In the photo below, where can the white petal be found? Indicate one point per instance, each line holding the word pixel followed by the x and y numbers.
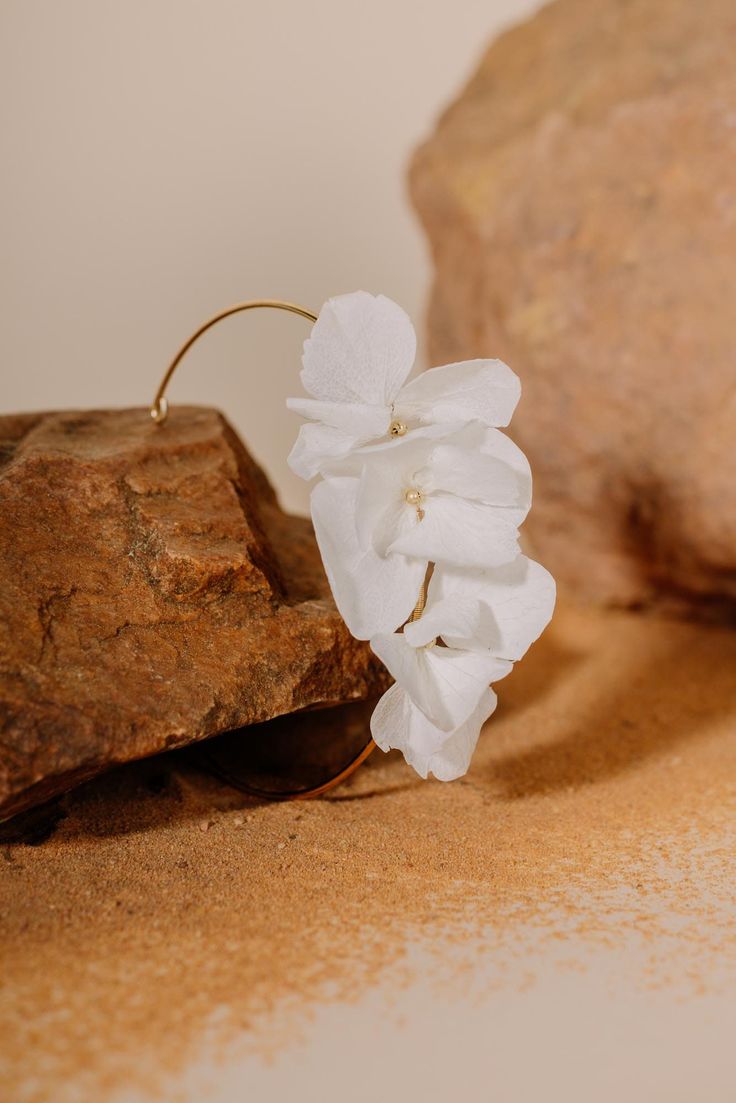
pixel 444 683
pixel 516 603
pixel 458 616
pixel 361 349
pixel 317 445
pixel 398 464
pixel 397 723
pixel 468 534
pixel 452 759
pixel 483 390
pixel 495 443
pixel 380 505
pixel 409 453
pixel 373 594
pixel 407 665
pixel 380 531
pixel 390 719
pixel 482 477
pixel 356 418
pixel 385 476
pixel 463 678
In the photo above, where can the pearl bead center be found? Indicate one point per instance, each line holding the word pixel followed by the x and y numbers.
pixel 413 496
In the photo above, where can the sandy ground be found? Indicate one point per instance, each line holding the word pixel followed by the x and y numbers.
pixel 561 924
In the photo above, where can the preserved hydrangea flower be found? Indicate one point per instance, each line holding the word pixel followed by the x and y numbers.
pixel 457 498
pixel 474 625
pixel 418 479
pixel 355 365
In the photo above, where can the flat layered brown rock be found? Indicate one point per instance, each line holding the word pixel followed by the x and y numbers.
pixel 580 199
pixel 152 593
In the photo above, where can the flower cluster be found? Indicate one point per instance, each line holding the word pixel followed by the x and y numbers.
pixel 417 516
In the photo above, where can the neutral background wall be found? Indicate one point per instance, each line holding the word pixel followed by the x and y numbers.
pixel 164 158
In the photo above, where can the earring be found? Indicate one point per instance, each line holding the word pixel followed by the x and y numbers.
pixel 416 512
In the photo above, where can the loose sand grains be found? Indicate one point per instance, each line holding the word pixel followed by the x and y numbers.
pixel 165 907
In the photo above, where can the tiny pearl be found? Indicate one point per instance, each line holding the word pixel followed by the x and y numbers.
pixel 397 428
pixel 413 496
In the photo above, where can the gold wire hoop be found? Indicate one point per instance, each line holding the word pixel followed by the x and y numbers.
pixel 159 412
pixel 293 794
pixel 160 406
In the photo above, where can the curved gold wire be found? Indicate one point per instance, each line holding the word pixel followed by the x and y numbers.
pixel 160 406
pixel 159 412
pixel 292 794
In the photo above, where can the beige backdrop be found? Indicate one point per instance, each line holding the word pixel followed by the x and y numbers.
pixel 162 159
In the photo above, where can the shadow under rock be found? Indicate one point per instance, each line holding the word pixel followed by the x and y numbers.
pixel 182 785
pixel 133 798
pixel 687 681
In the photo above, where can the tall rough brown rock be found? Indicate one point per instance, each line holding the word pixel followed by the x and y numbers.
pixel 580 201
pixel 152 593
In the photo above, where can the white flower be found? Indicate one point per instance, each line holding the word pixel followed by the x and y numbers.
pixel 355 365
pixel 445 683
pixel 486 619
pixel 513 604
pixel 398 724
pixel 436 708
pixel 417 475
pixel 373 593
pixel 387 512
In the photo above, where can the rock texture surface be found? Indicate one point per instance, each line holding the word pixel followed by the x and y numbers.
pixel 580 200
pixel 152 593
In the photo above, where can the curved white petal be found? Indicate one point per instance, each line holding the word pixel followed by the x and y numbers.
pixel 452 759
pixel 402 455
pixel 389 720
pixel 317 445
pixel 361 421
pixel 385 476
pixel 482 477
pixel 515 602
pixel 379 505
pixel 398 724
pixel 399 444
pixel 497 444
pixel 379 530
pixel 465 533
pixel 459 616
pixel 373 594
pixel 483 390
pixel 361 349
pixel 397 465
pixel 463 678
pixel 444 683
pixel 407 665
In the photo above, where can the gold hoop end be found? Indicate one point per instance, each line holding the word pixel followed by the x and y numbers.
pixel 160 407
pixel 160 410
